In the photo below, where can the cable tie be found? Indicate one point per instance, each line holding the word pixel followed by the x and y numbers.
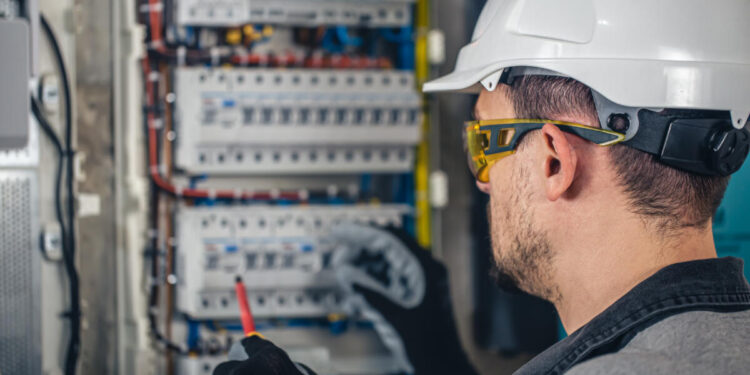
pixel 153 76
pixel 332 191
pixel 156 7
pixel 156 44
pixel 237 193
pixel 178 190
pixel 148 8
pixel 214 56
pixel 304 194
pixel 275 193
pixel 181 54
pixel 211 193
pixel 157 124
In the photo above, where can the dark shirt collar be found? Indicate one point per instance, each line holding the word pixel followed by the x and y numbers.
pixel 710 284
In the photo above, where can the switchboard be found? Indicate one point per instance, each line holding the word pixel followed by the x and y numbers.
pixel 255 111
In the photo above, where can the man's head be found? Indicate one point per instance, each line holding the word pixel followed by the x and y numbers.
pixel 557 181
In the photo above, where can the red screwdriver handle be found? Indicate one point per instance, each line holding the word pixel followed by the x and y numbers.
pixel 245 314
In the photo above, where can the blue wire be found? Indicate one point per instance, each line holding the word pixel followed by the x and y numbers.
pixel 329 44
pixel 404 36
pixel 405 47
pixel 193 333
pixel 365 184
pixel 345 39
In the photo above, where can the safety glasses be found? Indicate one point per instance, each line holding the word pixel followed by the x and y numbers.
pixel 488 141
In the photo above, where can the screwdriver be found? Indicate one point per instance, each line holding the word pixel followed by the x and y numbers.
pixel 248 325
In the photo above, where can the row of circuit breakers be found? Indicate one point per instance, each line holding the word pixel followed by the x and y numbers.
pixel 296 121
pixel 375 13
pixel 283 254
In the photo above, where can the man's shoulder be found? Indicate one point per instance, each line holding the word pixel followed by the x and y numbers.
pixel 694 342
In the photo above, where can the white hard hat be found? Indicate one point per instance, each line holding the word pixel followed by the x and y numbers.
pixel 633 54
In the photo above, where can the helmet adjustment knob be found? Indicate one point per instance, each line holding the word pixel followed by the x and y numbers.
pixel 619 122
pixel 729 148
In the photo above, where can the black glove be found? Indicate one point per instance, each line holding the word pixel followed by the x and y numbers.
pixel 415 302
pixel 257 356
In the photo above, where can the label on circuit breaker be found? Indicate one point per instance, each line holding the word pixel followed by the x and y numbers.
pixel 374 13
pixel 273 121
pixel 282 253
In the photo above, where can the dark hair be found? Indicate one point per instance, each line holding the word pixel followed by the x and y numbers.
pixel 672 198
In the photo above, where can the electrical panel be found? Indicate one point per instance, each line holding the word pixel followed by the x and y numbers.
pixel 14 75
pixel 282 253
pixel 267 122
pixel 380 13
pixel 296 121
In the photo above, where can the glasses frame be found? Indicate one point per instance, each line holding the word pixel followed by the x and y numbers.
pixel 488 155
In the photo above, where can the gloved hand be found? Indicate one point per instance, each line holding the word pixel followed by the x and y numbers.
pixel 404 284
pixel 256 356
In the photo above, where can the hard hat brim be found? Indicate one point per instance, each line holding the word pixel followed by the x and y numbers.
pixel 463 82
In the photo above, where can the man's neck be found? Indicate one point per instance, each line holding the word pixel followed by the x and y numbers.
pixel 594 271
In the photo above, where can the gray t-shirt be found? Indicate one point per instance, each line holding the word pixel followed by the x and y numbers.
pixel 694 342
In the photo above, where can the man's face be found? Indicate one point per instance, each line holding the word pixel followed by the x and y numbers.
pixel 519 247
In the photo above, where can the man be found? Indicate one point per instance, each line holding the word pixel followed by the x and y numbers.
pixel 605 135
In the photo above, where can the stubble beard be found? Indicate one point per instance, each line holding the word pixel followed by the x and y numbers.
pixel 522 254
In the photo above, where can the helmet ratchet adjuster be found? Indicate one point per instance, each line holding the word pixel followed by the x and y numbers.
pixel 697 141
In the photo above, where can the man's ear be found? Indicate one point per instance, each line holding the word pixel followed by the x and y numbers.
pixel 559 161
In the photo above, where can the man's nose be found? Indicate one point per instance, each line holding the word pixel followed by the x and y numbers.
pixel 483 186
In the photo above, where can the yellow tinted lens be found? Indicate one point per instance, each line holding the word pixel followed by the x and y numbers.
pixel 476 142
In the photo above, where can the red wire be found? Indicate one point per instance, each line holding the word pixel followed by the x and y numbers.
pixel 154 16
